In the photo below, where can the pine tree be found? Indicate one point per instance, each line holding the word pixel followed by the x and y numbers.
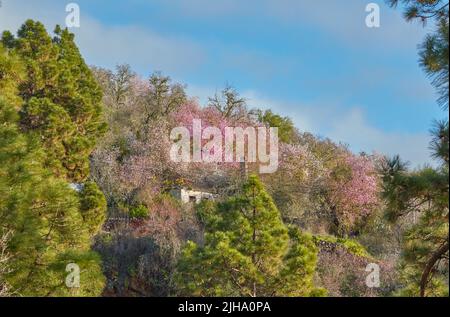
pixel 286 129
pixel 424 193
pixel 434 57
pixel 248 251
pixel 51 224
pixel 62 100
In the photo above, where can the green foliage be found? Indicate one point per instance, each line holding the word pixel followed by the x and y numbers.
pixel 139 212
pixel 411 277
pixel 205 212
pixel 51 224
pixel 422 194
pixel 92 280
pixel 12 71
pixel 440 142
pixel 92 206
pixel 286 128
pixel 248 251
pixel 422 10
pixel 42 211
pixel 351 245
pixel 164 98
pixel 434 57
pixel 62 101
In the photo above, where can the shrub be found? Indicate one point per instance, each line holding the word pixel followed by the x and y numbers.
pixel 139 212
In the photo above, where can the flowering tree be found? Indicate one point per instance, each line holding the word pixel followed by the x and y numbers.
pixel 201 173
pixel 300 175
pixel 353 192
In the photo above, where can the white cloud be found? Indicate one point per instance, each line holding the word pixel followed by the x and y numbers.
pixel 142 48
pixel 349 126
pixel 345 21
pixel 108 46
pixel 342 20
pixel 353 128
pixel 207 8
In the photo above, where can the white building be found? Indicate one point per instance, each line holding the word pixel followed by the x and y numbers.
pixel 191 196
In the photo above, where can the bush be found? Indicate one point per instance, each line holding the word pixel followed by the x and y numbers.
pixel 352 246
pixel 139 212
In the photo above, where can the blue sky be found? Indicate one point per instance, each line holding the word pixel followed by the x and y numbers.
pixel 315 61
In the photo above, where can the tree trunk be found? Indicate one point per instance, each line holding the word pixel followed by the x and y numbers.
pixel 430 264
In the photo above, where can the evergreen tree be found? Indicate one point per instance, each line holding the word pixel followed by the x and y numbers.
pixel 286 128
pixel 51 223
pixel 434 57
pixel 424 193
pixel 248 251
pixel 62 101
pixel 423 10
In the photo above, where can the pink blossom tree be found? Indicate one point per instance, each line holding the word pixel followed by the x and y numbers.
pixel 353 192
